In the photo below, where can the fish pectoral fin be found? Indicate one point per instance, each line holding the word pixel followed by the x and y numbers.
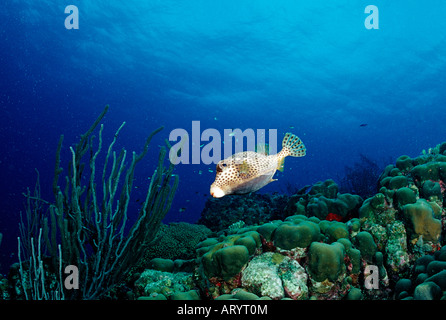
pixel 281 164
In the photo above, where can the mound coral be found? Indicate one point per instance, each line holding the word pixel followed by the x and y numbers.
pixel 407 216
pixel 282 259
pixel 324 200
pixel 427 282
pixel 326 261
pixel 296 233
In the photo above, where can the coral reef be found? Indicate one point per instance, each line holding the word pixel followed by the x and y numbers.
pixel 317 244
pixel 323 201
pixel 176 241
pixel 282 259
pixel 406 217
pixel 336 241
pixel 219 214
pixel 427 280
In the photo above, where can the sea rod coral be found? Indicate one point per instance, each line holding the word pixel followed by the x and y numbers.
pixel 89 218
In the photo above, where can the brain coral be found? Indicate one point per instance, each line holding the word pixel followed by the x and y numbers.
pixel 177 241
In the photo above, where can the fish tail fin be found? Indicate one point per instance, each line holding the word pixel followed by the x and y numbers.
pixel 292 146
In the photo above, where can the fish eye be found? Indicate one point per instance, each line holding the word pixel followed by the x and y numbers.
pixel 220 166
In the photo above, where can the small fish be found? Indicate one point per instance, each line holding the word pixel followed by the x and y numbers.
pixel 363 125
pixel 333 217
pixel 182 209
pixel 200 172
pixel 249 171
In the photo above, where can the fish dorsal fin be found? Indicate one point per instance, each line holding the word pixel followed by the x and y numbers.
pixel 281 164
pixel 262 148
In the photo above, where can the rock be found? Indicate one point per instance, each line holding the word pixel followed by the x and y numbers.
pixel 274 275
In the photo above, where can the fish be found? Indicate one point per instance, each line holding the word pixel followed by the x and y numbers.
pixel 249 171
pixel 363 125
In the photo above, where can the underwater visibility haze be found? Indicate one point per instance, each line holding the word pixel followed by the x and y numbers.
pixel 364 89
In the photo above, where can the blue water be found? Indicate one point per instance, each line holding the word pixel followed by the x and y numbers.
pixel 309 67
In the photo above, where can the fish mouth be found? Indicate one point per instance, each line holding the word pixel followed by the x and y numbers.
pixel 217 192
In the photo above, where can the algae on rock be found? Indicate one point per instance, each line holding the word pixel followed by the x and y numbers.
pixel 276 276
